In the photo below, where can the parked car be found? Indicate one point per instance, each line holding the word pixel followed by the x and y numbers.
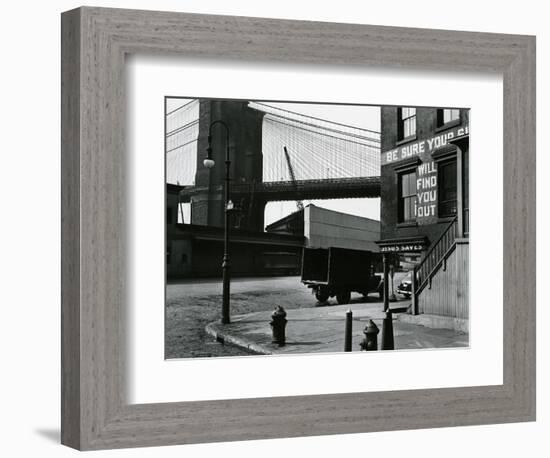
pixel 405 287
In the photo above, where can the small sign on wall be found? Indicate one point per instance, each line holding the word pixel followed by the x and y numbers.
pixel 402 248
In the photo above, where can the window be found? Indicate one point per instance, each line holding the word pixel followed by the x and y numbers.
pixel 446 172
pixel 407 197
pixel 447 115
pixel 406 123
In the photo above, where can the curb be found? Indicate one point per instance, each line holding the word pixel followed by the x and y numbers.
pixel 212 329
pixel 436 322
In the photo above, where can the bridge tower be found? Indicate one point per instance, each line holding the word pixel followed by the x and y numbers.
pixel 245 151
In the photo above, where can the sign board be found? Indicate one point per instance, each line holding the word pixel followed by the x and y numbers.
pixel 402 247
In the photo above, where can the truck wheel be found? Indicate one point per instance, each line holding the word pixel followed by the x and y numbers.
pixel 343 297
pixel 321 295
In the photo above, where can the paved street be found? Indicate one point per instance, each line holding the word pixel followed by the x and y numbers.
pixel 192 304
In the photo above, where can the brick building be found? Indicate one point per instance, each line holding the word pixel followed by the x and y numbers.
pixel 425 203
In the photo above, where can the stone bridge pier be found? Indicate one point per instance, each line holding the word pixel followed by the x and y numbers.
pixel 245 152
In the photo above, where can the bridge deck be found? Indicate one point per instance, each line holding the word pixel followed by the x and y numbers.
pixel 332 188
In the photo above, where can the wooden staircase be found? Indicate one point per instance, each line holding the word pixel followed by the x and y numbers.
pixel 435 259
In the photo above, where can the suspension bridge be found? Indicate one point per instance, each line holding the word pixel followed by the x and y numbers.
pixel 277 154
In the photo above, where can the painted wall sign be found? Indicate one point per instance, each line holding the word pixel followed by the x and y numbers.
pixel 426 192
pixel 422 146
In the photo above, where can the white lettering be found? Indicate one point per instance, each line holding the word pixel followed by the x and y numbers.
pixel 426 186
pixel 422 146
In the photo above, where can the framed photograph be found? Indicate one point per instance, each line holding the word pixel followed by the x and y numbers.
pixel 250 206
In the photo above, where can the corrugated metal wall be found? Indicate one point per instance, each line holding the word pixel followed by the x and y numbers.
pixel 449 292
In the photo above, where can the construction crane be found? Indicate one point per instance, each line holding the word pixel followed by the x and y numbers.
pixel 299 203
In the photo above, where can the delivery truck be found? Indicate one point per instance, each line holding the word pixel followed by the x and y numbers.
pixel 338 272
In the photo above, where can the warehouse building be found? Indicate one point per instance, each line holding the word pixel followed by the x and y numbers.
pixel 195 251
pixel 324 228
pixel 425 204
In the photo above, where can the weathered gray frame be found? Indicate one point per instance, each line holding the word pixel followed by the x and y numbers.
pixel 95 414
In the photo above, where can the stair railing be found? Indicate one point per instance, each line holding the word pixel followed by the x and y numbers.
pixel 436 255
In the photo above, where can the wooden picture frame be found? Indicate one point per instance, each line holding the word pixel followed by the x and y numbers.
pixel 95 413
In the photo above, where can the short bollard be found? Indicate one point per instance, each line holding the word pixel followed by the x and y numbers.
pixel 370 342
pixel 348 330
pixel 278 325
pixel 387 332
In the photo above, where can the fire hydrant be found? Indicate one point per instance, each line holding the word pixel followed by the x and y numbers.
pixel 370 342
pixel 278 325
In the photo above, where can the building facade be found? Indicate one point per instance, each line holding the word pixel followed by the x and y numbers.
pixel 425 202
pixel 196 251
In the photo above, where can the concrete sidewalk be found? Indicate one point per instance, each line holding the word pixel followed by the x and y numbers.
pixel 321 330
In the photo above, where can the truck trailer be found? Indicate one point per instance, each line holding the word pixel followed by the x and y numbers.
pixel 338 272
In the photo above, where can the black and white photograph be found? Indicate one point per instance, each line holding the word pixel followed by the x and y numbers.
pixel 297 227
pixel 254 229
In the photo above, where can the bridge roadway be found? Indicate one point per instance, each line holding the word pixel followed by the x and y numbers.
pixel 330 188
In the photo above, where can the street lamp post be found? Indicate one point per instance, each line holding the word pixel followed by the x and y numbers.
pixel 228 206
pixel 393 297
